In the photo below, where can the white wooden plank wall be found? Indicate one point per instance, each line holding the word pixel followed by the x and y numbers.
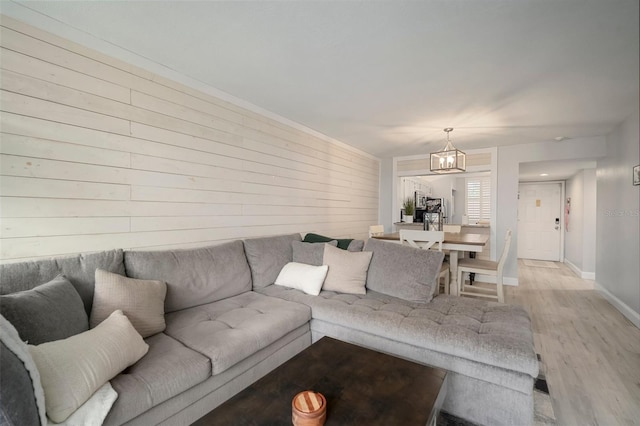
pixel 98 154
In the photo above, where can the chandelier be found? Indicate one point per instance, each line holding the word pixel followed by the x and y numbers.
pixel 449 159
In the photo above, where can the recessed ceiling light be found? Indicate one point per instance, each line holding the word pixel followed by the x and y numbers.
pixel 544 174
pixel 561 138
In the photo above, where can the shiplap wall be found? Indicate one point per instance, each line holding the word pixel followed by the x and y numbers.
pixel 98 154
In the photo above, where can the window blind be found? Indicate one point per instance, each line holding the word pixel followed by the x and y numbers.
pixel 478 199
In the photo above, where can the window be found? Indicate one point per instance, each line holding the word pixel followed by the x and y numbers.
pixel 479 199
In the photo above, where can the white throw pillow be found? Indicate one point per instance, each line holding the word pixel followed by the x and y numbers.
pixel 72 369
pixel 301 276
pixel 142 301
pixel 347 270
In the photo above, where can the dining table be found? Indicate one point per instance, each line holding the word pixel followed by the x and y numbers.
pixel 455 243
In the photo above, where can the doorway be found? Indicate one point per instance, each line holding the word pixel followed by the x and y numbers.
pixel 540 221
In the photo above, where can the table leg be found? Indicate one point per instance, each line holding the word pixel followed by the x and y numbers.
pixel 453 268
pixel 472 275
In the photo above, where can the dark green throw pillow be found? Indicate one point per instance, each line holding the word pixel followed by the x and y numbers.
pixel 315 238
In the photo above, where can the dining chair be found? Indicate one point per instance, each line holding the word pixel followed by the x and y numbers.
pixel 426 240
pixel 485 267
pixel 376 230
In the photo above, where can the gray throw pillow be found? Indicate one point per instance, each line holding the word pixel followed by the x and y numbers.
pixel 267 256
pixel 310 253
pixel 401 271
pixel 48 312
pixel 356 245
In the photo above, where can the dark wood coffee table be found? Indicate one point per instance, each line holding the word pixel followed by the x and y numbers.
pixel 362 387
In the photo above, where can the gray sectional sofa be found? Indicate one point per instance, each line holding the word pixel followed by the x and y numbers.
pixel 227 325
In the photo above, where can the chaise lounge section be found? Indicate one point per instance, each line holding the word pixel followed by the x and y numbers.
pixel 487 347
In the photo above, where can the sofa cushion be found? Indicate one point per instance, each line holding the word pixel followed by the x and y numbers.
pixel 71 370
pixel 79 270
pixel 21 394
pixel 142 301
pixel 347 271
pixel 51 311
pixel 401 271
pixel 196 276
pixel 168 369
pixel 267 256
pixel 230 330
pixel 486 332
pixel 18 404
pixel 356 245
pixel 310 253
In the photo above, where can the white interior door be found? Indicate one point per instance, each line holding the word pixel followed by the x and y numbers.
pixel 539 221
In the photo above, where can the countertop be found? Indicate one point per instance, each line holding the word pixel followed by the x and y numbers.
pixel 479 225
pixel 449 238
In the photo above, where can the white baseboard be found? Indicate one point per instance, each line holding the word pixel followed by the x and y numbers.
pixel 624 309
pixel 579 272
pixel 491 279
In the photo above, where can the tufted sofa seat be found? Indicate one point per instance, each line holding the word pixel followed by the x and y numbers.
pixel 468 331
pixel 168 369
pixel 229 330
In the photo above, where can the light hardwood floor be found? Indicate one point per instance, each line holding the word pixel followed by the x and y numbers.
pixel 591 352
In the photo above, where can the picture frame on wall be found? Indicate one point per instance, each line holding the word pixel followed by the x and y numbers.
pixel 636 175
